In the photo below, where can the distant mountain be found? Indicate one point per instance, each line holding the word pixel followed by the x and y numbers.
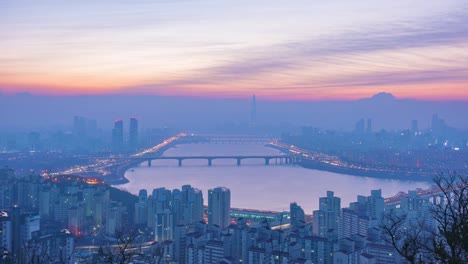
pixel 383 96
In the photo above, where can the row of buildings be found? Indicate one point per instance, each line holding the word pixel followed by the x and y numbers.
pixel 43 216
pixel 164 209
pixel 335 235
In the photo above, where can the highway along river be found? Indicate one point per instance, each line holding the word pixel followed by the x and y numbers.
pixel 253 184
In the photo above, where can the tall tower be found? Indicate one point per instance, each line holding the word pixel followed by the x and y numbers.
pixel 117 135
pixel 133 140
pixel 253 111
pixel 219 206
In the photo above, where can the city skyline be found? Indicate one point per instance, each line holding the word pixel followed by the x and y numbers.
pixel 279 51
pixel 233 131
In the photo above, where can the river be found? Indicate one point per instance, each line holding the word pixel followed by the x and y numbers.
pixel 254 185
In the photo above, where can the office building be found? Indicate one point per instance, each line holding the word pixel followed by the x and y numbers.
pixel 133 134
pixel 117 136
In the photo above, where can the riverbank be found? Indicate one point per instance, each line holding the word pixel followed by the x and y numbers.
pixel 307 160
pixel 381 174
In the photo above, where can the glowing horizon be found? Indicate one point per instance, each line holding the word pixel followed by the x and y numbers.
pixel 278 50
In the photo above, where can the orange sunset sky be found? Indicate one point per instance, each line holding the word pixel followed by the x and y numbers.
pixel 282 50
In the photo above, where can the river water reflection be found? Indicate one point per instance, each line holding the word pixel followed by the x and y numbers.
pixel 254 185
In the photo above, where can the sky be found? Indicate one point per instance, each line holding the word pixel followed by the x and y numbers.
pixel 279 50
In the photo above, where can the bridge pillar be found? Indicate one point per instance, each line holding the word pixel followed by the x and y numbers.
pixel 267 161
pixel 238 162
pixel 180 162
pixel 210 161
pixel 149 163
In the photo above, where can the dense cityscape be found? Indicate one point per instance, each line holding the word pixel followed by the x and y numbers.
pixel 234 132
pixel 72 219
pixel 68 213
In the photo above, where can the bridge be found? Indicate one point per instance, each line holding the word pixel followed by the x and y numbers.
pixel 229 139
pixel 284 159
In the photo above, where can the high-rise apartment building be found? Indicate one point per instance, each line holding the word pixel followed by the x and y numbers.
pixel 6 231
pixel 297 215
pixel 326 218
pixel 160 216
pixel 187 205
pixel 141 208
pixel 219 205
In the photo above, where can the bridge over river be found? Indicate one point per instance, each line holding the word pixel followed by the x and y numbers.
pixel 283 159
pixel 229 139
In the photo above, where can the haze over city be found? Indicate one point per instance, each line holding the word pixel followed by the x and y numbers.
pixel 233 131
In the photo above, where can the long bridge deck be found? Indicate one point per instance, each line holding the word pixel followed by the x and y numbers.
pixel 286 159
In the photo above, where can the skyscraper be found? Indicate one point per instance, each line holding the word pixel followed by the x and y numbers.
pixel 117 135
pixel 219 205
pixel 79 126
pixel 359 128
pixel 414 126
pixel 253 111
pixel 133 140
pixel 438 125
pixel 369 125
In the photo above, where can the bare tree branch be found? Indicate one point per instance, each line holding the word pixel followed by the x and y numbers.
pixel 447 242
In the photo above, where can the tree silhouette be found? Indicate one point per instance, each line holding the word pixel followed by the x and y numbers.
pixel 120 249
pixel 447 240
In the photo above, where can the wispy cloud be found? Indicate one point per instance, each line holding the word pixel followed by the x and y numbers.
pixel 217 48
